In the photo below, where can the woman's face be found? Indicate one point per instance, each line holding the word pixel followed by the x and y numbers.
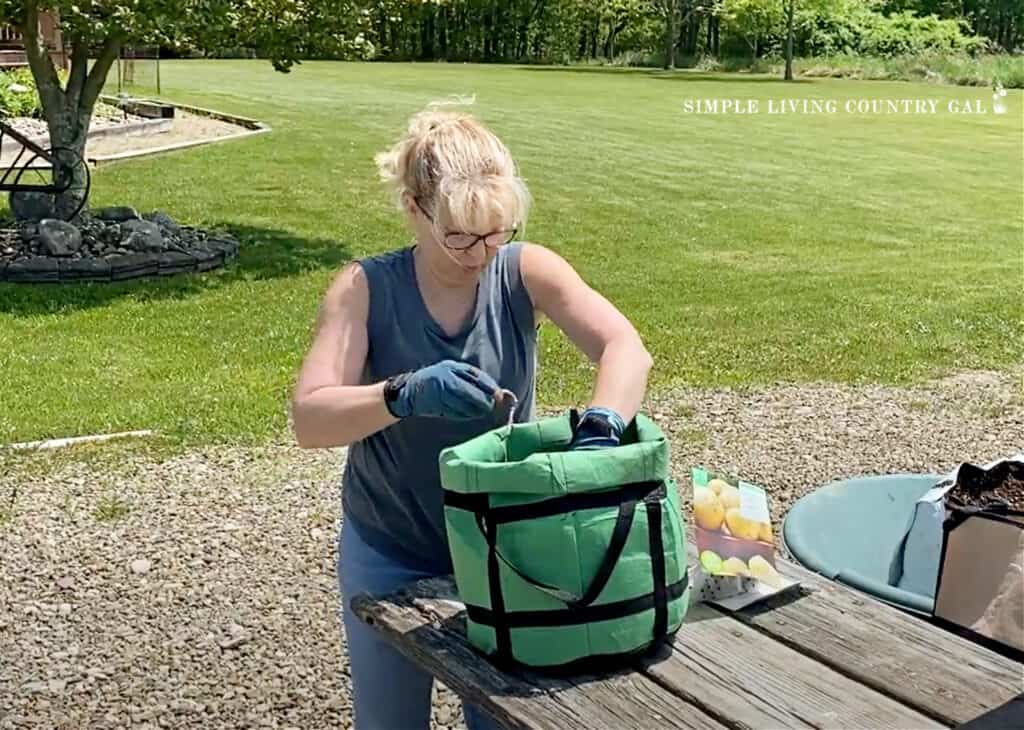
pixel 465 254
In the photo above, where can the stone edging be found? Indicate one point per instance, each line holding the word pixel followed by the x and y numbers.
pixel 253 127
pixel 54 270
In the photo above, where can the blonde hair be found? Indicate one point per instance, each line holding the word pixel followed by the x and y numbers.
pixel 452 164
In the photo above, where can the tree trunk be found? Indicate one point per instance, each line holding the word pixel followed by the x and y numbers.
pixel 614 35
pixel 68 111
pixel 715 40
pixel 68 145
pixel 427 42
pixel 442 32
pixel 671 32
pixel 789 41
pixel 382 29
pixel 693 29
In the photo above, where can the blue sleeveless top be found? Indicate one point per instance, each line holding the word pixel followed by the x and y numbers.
pixel 391 487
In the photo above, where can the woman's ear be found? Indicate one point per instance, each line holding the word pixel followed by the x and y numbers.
pixel 408 204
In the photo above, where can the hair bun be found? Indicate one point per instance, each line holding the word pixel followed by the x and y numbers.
pixel 450 161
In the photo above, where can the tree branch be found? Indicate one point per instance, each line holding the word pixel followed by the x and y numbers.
pixel 98 74
pixel 47 83
pixel 79 65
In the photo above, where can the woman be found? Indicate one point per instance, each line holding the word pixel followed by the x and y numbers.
pixel 409 354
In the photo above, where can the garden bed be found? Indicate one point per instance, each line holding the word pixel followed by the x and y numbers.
pixel 109 244
pixel 117 135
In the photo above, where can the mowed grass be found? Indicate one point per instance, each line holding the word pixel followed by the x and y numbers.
pixel 746 248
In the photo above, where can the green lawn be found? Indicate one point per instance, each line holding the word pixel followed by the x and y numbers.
pixel 745 248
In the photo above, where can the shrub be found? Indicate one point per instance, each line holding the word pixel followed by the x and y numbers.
pixel 18 97
pixel 845 27
pixel 951 68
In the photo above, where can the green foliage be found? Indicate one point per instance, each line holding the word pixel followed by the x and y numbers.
pixel 283 31
pixel 754 20
pixel 18 97
pixel 633 32
pixel 964 70
pixel 847 26
pixel 18 94
pixel 111 507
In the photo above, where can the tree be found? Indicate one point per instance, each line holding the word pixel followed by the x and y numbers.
pixel 283 31
pixel 668 11
pixel 789 40
pixel 753 20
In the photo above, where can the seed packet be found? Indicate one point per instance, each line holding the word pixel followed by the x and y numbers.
pixel 733 528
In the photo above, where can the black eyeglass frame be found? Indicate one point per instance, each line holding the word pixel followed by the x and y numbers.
pixel 476 239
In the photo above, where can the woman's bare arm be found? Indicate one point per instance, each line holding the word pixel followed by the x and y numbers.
pixel 594 325
pixel 329 406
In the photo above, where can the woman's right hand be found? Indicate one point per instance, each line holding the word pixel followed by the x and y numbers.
pixel 447 389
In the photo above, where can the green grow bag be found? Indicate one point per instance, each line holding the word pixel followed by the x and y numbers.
pixel 565 559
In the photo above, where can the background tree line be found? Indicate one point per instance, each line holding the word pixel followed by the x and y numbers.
pixel 659 32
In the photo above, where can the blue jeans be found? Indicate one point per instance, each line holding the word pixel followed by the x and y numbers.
pixel 389 691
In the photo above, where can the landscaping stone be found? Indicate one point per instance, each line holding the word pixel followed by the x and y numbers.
pixel 94 248
pixel 117 214
pixel 141 235
pixel 58 237
pixel 29 206
pixel 33 268
pixel 163 220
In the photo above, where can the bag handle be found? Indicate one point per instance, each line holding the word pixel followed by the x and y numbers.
pixel 623 524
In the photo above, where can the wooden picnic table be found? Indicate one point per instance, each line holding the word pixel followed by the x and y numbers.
pixel 823 656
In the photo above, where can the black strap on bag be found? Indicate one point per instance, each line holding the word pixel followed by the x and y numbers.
pixel 626 497
pixel 501 628
pixel 658 571
pixel 623 524
pixel 579 608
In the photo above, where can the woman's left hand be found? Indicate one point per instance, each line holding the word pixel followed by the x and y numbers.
pixel 598 428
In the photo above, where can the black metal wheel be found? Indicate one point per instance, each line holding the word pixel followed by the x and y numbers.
pixel 69 175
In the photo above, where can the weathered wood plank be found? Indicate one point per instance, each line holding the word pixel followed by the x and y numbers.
pixel 749 680
pixel 931 670
pixel 427 623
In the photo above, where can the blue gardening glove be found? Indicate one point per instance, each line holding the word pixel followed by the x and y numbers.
pixel 598 428
pixel 447 389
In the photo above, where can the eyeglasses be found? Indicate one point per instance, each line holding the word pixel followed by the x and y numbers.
pixel 458 241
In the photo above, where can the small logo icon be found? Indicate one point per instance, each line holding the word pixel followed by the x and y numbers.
pixel 999 98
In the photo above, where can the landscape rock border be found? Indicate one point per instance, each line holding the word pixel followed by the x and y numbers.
pixel 49 254
pixel 106 245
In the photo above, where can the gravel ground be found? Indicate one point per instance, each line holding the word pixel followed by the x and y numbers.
pixel 198 590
